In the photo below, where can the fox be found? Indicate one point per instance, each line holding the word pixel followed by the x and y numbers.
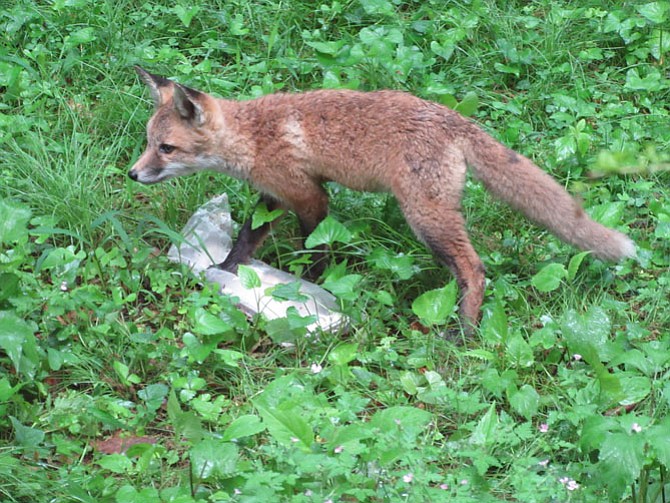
pixel 287 145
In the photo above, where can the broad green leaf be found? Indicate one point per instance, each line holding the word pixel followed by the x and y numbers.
pixel 329 231
pixel 565 147
pixel 495 326
pixel 13 222
pixel 213 458
pixel 153 395
pixel 622 457
pixel 7 390
pixel 574 264
pixel 595 431
pixel 609 214
pixel 62 257
pixel 288 291
pixel 121 370
pixel 486 429
pixel 491 381
pixel 290 328
pixel 281 331
pixel 18 341
pixel 377 6
pixel 331 47
pixel 512 69
pixel 261 215
pixel 656 12
pixel 634 387
pixel 658 437
pixel 343 354
pixel 443 50
pixel 195 349
pixel 80 37
pixel 206 323
pixel 481 354
pixel 230 357
pixel 343 287
pixel 284 389
pixel 55 359
pixel 401 265
pixel 410 382
pixel 434 307
pixel 611 388
pixel 350 438
pixel 186 14
pixel 184 423
pixel 248 277
pixel 525 401
pixel 128 494
pixel 468 105
pixel 448 100
pixel 549 277
pixel 287 427
pixel 644 362
pixel 116 463
pixel 588 334
pixel 9 285
pixel 237 25
pixel 243 426
pixel 519 351
pixel 410 420
pixel 651 82
pixel 26 436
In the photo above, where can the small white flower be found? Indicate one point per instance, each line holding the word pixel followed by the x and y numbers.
pixel 564 480
pixel 237 492
pixel 316 368
pixel 338 449
pixel 636 428
pixel 295 440
pixel 64 286
pixel 444 487
pixel 408 478
pixel 544 428
pixel 464 482
pixel 572 485
pixel 576 357
pixel 544 463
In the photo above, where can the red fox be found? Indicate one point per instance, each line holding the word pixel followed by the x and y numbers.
pixel 288 145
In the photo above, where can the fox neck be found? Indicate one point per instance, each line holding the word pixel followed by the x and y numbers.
pixel 229 151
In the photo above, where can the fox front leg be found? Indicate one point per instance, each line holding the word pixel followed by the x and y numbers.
pixel 249 239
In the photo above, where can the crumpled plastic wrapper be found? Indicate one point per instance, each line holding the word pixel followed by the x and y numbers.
pixel 207 241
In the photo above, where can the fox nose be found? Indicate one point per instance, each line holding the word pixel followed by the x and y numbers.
pixel 132 175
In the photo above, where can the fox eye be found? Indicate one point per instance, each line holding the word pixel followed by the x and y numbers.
pixel 164 148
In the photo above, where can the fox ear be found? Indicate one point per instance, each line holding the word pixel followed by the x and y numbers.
pixel 155 84
pixel 187 103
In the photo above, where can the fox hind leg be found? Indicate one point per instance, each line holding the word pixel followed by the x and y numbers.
pixel 444 232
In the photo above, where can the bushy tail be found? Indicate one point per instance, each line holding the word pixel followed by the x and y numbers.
pixel 517 181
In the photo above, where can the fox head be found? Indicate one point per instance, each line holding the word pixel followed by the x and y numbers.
pixel 179 134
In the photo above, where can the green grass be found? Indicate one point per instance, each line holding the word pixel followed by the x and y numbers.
pixel 560 395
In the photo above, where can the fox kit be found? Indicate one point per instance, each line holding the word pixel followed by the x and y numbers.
pixel 288 145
